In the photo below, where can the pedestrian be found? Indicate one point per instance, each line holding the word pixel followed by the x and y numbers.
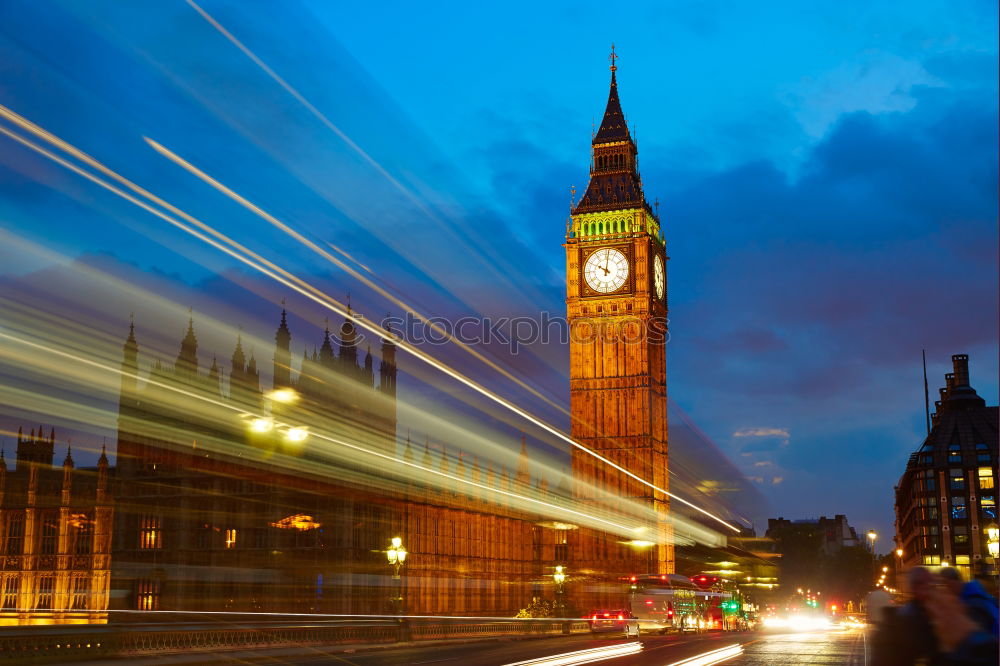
pixel 962 641
pixel 904 635
pixel 981 607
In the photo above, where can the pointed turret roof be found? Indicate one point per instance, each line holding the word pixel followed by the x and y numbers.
pixel 613 126
pixel 239 360
pixel 615 183
pixel 523 470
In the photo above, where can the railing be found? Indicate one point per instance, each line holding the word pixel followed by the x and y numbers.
pixel 54 644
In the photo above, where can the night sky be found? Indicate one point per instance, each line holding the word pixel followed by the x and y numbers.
pixel 826 172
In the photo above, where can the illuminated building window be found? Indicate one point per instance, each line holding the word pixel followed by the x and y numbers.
pixel 46 590
pixel 50 533
pixel 147 595
pixel 960 535
pixel 81 587
pixel 11 588
pixel 230 538
pixel 954 454
pixel 150 532
pixel 83 538
pixel 957 479
pixel 988 505
pixel 985 478
pixel 983 454
pixel 14 543
pixel 958 508
pixel 961 559
pixel 932 560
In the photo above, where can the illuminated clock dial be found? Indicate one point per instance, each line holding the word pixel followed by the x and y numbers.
pixel 659 277
pixel 606 270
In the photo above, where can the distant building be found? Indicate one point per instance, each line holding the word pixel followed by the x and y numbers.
pixel 55 537
pixel 947 495
pixel 831 534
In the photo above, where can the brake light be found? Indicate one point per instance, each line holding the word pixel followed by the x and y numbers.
pixel 670 613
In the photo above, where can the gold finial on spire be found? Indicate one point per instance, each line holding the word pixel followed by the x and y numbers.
pixel 613 57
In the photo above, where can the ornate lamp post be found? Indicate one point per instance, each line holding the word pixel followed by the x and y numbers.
pixel 559 577
pixel 396 554
pixel 993 545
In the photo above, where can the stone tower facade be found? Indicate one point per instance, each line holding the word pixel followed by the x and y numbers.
pixel 617 310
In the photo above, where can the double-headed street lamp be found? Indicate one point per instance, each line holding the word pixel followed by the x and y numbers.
pixel 993 544
pixel 559 577
pixel 396 554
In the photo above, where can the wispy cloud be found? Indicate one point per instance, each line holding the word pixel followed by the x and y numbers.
pixel 762 432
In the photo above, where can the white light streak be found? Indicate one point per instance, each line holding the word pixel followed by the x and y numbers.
pixel 301 287
pixel 713 657
pixel 583 656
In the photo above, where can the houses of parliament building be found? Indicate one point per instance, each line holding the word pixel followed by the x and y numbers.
pixel 229 497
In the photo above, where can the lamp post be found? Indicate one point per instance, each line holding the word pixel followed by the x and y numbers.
pixel 396 554
pixel 993 545
pixel 559 577
pixel 872 536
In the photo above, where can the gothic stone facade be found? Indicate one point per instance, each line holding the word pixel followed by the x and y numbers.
pixel 617 308
pixel 55 533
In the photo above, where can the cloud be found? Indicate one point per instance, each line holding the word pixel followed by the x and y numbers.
pixel 775 480
pixel 762 432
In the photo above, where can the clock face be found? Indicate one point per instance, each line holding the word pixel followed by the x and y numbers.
pixel 659 277
pixel 606 270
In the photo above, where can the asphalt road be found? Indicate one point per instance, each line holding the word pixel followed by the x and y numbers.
pixel 820 647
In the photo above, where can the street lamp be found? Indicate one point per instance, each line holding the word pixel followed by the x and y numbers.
pixel 899 552
pixel 396 554
pixel 871 537
pixel 993 540
pixel 993 544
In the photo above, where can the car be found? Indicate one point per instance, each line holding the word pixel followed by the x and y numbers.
pixel 614 621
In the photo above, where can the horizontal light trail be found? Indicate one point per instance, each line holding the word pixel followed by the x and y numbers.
pixel 343 616
pixel 583 656
pixel 374 286
pixel 319 115
pixel 560 511
pixel 713 657
pixel 308 291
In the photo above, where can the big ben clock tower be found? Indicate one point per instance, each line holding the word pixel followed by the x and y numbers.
pixel 617 310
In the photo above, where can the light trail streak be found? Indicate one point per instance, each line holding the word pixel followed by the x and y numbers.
pixel 348 615
pixel 307 290
pixel 713 657
pixel 560 510
pixel 263 214
pixel 583 656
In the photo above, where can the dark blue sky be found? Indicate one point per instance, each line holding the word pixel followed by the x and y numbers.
pixel 827 176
